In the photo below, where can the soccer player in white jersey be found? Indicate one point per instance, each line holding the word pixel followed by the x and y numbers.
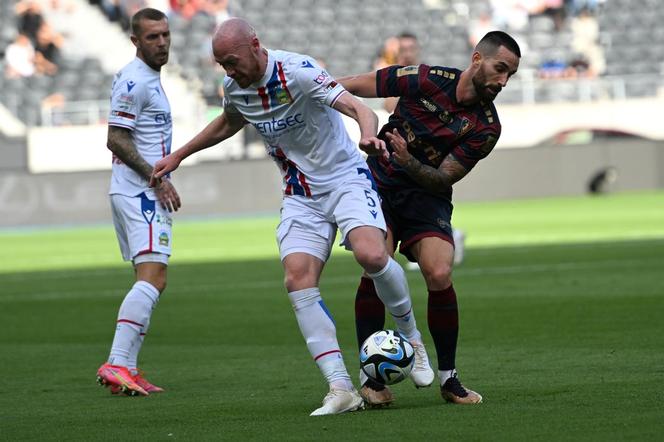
pixel 139 133
pixel 295 105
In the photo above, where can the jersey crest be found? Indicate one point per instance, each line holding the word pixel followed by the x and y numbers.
pixel 282 96
pixel 275 92
pixel 465 127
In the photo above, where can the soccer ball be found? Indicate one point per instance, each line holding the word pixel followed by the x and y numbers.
pixel 386 357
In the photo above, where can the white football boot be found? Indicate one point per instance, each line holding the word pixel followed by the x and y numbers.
pixel 422 375
pixel 339 401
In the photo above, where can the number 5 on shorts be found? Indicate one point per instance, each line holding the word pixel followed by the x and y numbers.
pixel 370 201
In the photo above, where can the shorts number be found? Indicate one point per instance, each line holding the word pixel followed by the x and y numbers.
pixel 371 201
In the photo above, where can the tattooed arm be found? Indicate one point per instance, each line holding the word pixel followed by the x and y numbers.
pixel 434 180
pixel 120 142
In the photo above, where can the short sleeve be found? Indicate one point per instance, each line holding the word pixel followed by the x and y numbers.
pixel 475 148
pixel 401 81
pixel 316 83
pixel 127 101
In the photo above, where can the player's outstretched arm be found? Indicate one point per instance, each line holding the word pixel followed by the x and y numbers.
pixel 368 122
pixel 434 180
pixel 224 126
pixel 362 85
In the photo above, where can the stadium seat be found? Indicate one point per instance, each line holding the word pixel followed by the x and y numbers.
pixel 347 35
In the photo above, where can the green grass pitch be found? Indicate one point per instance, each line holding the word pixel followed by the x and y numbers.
pixel 561 303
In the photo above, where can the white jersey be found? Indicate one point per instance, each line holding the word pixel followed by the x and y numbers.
pixel 291 108
pixel 138 103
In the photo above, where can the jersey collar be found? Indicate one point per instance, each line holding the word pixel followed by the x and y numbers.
pixel 268 69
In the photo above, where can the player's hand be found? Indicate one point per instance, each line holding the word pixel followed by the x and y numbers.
pixel 399 147
pixel 167 164
pixel 167 195
pixel 374 146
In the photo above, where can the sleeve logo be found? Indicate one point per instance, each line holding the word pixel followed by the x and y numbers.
pixel 331 85
pixel 121 114
pixel 408 70
pixel 322 77
pixel 489 145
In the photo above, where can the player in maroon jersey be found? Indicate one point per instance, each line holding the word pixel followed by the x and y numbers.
pixel 443 124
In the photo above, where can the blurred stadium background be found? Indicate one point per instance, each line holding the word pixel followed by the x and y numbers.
pixel 562 294
pixel 581 113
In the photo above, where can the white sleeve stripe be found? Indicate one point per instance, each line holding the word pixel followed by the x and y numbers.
pixel 113 123
pixel 334 100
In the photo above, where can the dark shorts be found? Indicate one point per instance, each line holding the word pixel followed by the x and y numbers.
pixel 412 214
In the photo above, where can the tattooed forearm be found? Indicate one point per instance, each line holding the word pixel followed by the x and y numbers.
pixel 121 144
pixel 434 180
pixel 426 176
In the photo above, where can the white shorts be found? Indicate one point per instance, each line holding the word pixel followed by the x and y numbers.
pixel 143 229
pixel 309 225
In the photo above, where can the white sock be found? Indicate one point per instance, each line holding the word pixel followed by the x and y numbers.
pixel 320 334
pixel 392 289
pixel 444 375
pixel 334 370
pixel 134 315
pixel 132 360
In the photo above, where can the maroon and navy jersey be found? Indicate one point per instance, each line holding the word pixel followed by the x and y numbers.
pixel 432 122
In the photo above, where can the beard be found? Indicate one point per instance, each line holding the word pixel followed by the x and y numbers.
pixel 485 91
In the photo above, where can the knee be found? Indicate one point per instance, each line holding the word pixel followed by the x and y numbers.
pixel 298 278
pixel 438 277
pixel 160 279
pixel 161 286
pixel 159 283
pixel 152 273
pixel 372 259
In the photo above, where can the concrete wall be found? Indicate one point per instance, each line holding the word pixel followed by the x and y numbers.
pixel 83 148
pixel 563 170
pixel 250 187
pixel 222 188
pixel 13 153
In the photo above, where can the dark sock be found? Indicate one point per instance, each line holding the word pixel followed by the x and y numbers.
pixel 369 317
pixel 443 318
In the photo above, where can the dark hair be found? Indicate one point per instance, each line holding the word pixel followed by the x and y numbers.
pixel 407 34
pixel 490 43
pixel 145 14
